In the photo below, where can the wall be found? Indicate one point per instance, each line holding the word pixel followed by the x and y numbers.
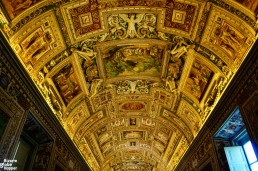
pixel 29 115
pixel 242 93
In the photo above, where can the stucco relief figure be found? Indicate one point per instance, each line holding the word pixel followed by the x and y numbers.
pixel 88 54
pixel 179 49
pixel 90 69
pixel 7 30
pixel 45 91
pixel 150 20
pixel 89 63
pixel 131 20
pixel 175 66
pixel 170 83
pixel 132 85
pixel 220 86
pixel 132 25
pixel 85 49
pixel 153 111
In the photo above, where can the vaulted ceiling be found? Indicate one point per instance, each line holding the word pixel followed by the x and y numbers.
pixel 131 82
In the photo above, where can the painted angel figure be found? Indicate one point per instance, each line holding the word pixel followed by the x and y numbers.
pixel 131 19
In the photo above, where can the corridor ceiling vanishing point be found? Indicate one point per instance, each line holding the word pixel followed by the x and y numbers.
pixel 132 82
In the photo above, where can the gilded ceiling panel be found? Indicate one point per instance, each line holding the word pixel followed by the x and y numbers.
pixel 76 118
pixel 179 151
pixel 132 82
pixel 89 122
pixel 82 19
pixel 102 99
pixel 36 43
pixel 198 79
pixel 67 84
pixel 172 145
pixel 14 8
pixel 190 116
pixel 225 34
pixel 179 123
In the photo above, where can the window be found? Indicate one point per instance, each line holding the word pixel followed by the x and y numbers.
pixel 22 155
pixel 25 153
pixel 236 158
pixel 250 155
pixel 241 157
pixel 234 149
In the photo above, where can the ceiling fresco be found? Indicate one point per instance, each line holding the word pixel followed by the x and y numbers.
pixel 131 82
